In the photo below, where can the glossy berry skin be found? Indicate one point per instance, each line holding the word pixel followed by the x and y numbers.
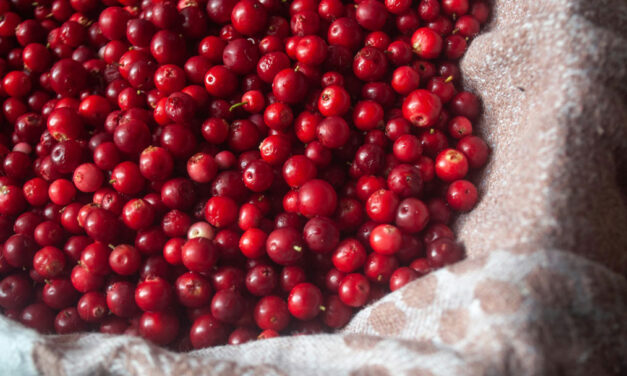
pixel 379 267
pixel 207 331
pixel 258 176
pixel 285 246
pixel 422 108
pixel 465 104
pixel 407 148
pixel 401 277
pixel 159 327
pixel 475 150
pixel 305 301
pixel 405 79
pixel 261 280
pixel 124 260
pixel 68 321
pixel 271 312
pixel 92 307
pixel 95 258
pixel 381 206
pixel 15 291
pixel 193 290
pixel 333 132
pixel 321 235
pixel 49 262
pixel 298 170
pixel 289 86
pixel 386 239
pixel 354 290
pixel 101 225
pixel 370 64
pixel 461 195
pixel 227 306
pixel 349 256
pixel 121 300
pixel 336 313
pixel 252 243
pixel 443 252
pixel 334 101
pixel 221 211
pixel 199 254
pixel 153 294
pixel 38 316
pixel 451 165
pixel 426 43
pixel 127 178
pixel 316 197
pixel 249 17
pixel 412 215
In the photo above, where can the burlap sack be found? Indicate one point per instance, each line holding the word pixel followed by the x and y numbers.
pixel 543 289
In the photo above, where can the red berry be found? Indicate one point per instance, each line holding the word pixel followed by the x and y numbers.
pixel 451 165
pixel 305 301
pixel 461 195
pixel 316 197
pixel 271 312
pixel 153 294
pixel 385 239
pixel 354 290
pixel 422 108
pixel 426 43
pixel 199 254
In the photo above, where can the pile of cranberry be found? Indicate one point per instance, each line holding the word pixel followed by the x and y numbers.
pixel 217 171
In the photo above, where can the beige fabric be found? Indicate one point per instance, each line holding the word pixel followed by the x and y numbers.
pixel 543 290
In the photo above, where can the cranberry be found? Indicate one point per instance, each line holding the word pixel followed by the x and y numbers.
pixel 38 316
pixel 381 206
pixel 401 277
pixel 475 150
pixel 15 291
pixel 18 250
pixel 309 167
pixel 379 267
pixel 120 299
pixel 349 256
pixel 336 313
pixel 49 262
pixel 443 252
pixel 321 235
pixel 199 254
pixel 92 307
pixel 289 86
pixel 285 246
pixel 345 32
pixel 450 165
pixel 354 290
pixel 333 132
pixel 227 306
pixel 159 327
pixel 153 294
pixel 465 104
pixel 101 225
pixel 317 197
pixel 68 321
pixel 422 108
pixel 249 17
pixel 305 301
pixel 207 331
pixel 461 195
pixel 68 77
pixel 193 290
pixel 271 312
